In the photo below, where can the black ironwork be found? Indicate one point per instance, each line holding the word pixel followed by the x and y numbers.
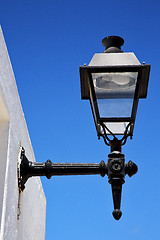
pixel 113 44
pixel 137 68
pixel 115 168
pixel 31 169
pixel 88 91
pixel 115 142
pixel 143 72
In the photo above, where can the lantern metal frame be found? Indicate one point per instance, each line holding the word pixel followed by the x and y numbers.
pixel 87 89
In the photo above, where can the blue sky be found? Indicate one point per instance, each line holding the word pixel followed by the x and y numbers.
pixel 47 42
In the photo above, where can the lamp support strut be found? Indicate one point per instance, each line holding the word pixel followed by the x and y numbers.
pixel 115 169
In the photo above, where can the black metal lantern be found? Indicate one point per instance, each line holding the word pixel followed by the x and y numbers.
pixel 113 82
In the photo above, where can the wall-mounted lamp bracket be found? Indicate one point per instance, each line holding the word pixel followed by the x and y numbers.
pixel 115 168
pixel 32 169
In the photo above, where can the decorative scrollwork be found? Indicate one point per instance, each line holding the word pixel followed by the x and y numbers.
pixel 108 141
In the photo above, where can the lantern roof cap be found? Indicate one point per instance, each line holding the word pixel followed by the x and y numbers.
pixel 114 59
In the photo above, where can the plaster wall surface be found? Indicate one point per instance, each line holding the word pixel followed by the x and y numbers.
pixel 26 222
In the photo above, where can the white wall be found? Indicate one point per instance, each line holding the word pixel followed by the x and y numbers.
pixel 30 225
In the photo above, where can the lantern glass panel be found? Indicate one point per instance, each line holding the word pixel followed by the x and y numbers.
pixel 115 93
pixel 117 128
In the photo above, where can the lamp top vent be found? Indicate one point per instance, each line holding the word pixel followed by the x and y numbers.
pixel 112 44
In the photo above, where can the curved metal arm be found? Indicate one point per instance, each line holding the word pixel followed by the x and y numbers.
pixel 106 138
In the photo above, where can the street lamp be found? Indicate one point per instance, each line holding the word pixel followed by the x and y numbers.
pixel 113 83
